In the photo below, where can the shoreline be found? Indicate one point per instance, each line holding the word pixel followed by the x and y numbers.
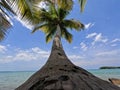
pixel 12 79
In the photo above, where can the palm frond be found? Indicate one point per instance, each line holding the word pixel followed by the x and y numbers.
pixel 47 16
pixel 73 24
pixel 65 4
pixel 48 28
pixel 5 22
pixel 4 26
pixel 51 33
pixel 82 4
pixel 62 13
pixel 44 27
pixel 49 37
pixel 27 11
pixel 6 6
pixel 68 36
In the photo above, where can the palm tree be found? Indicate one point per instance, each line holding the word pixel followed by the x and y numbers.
pixel 30 14
pixel 5 23
pixel 55 24
pixel 26 12
pixel 59 73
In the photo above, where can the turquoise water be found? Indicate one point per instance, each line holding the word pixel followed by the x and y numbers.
pixel 106 73
pixel 10 80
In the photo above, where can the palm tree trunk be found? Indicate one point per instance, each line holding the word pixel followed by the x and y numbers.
pixel 58 56
pixel 57 38
pixel 59 73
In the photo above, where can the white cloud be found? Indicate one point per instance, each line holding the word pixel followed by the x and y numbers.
pixel 99 38
pixel 31 54
pixel 36 49
pixel 83 46
pixel 96 62
pixel 91 35
pixel 39 51
pixel 3 49
pixel 75 57
pixel 25 55
pixel 93 58
pixel 115 40
pixel 96 58
pixel 108 53
pixel 89 25
pixel 75 47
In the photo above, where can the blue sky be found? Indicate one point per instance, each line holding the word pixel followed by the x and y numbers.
pixel 98 45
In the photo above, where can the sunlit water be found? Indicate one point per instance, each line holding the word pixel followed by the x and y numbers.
pixel 10 80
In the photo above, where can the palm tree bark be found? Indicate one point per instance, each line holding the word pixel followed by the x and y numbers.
pixel 59 73
pixel 58 56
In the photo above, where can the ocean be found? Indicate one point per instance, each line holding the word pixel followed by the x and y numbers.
pixel 9 80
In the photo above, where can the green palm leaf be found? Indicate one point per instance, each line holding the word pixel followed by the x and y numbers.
pixel 62 13
pixel 51 33
pixel 46 28
pixel 4 25
pixel 47 19
pixel 82 4
pixel 73 24
pixel 68 36
pixel 65 4
pixel 52 18
pixel 27 11
pixel 5 22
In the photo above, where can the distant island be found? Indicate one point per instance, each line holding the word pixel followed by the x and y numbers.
pixel 109 67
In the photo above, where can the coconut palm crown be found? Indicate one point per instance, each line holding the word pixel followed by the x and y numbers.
pixel 50 19
pixel 54 23
pixel 27 11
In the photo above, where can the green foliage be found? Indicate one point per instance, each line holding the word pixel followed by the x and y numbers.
pixel 30 13
pixel 52 18
pixel 5 23
pixel 82 4
pixel 109 67
pixel 65 4
pixel 73 24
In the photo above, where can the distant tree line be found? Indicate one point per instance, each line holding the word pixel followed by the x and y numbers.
pixel 109 67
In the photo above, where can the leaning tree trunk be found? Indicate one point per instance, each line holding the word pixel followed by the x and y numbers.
pixel 59 73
